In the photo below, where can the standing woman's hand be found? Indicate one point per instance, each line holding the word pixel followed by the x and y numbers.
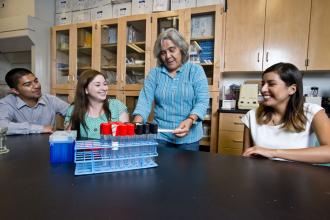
pixel 183 128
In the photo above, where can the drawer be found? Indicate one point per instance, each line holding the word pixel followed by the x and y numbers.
pixel 231 122
pixel 230 139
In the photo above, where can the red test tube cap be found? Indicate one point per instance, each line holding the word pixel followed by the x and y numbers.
pixel 105 128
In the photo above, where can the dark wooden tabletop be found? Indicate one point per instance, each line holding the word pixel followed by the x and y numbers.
pixel 185 185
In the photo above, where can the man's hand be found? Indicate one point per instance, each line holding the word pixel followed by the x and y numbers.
pixel 47 129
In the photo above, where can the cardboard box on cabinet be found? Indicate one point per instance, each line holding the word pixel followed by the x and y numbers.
pixel 63 18
pixel 209 2
pixel 81 16
pixel 98 3
pixel 78 5
pixel 63 6
pixel 161 5
pixel 103 12
pixel 182 4
pixel 141 6
pixel 122 9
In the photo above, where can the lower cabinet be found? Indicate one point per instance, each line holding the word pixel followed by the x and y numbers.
pixel 230 139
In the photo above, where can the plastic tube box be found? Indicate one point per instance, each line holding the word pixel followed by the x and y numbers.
pixel 62 146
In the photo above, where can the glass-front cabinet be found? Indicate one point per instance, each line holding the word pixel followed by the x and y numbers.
pixel 204 37
pixel 164 20
pixel 109 52
pixel 136 38
pixel 84 47
pixel 62 54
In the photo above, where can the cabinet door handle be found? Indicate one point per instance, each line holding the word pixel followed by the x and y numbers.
pixel 258 60
pixel 267 56
pixel 238 123
pixel 237 141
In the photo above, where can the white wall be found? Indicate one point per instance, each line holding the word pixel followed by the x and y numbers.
pixel 40 17
pixel 17 8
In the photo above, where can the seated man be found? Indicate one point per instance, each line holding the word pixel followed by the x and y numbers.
pixel 26 110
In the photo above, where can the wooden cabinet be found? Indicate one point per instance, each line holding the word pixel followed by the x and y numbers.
pixel 122 48
pixel 260 33
pixel 230 134
pixel 210 124
pixel 165 20
pixel 208 38
pixel 135 41
pixel 109 52
pixel 244 35
pixel 319 36
pixel 63 59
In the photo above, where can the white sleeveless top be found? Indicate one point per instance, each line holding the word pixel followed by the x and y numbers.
pixel 272 136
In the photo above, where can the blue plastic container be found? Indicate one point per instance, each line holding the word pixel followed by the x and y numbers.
pixel 62 152
pixel 62 146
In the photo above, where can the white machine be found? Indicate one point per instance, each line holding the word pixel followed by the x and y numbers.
pixel 248 96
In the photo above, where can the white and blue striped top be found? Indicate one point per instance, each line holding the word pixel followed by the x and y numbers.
pixel 175 99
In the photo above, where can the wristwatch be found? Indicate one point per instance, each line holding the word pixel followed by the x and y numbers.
pixel 194 121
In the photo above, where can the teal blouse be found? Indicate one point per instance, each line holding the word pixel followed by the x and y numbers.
pixel 93 124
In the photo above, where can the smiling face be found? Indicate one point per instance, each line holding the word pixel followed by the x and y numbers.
pixel 97 89
pixel 274 90
pixel 170 55
pixel 28 88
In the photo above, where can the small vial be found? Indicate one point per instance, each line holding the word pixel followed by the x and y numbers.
pixel 146 131
pixel 153 128
pixel 138 131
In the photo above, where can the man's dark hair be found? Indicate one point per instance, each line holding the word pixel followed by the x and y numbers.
pixel 13 76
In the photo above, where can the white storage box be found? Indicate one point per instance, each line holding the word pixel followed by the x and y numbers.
pixel 161 5
pixel 77 5
pixel 63 6
pixel 81 16
pixel 202 26
pixel 104 12
pixel 98 3
pixel 209 2
pixel 122 9
pixel 141 6
pixel 181 4
pixel 63 18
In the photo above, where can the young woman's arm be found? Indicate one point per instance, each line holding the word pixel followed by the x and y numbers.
pixel 247 139
pixel 311 154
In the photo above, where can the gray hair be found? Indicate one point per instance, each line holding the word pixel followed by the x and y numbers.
pixel 179 41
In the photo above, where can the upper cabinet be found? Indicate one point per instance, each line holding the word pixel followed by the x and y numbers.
pixel 135 41
pixel 244 35
pixel 165 20
pixel 260 33
pixel 108 53
pixel 319 36
pixel 204 36
pixel 286 32
pixel 63 61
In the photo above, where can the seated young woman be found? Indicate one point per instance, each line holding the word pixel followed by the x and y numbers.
pixel 91 106
pixel 283 125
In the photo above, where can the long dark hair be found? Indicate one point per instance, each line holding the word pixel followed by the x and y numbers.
pixel 81 100
pixel 294 117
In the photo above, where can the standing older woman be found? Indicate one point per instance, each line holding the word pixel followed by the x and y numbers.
pixel 92 107
pixel 179 91
pixel 283 125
